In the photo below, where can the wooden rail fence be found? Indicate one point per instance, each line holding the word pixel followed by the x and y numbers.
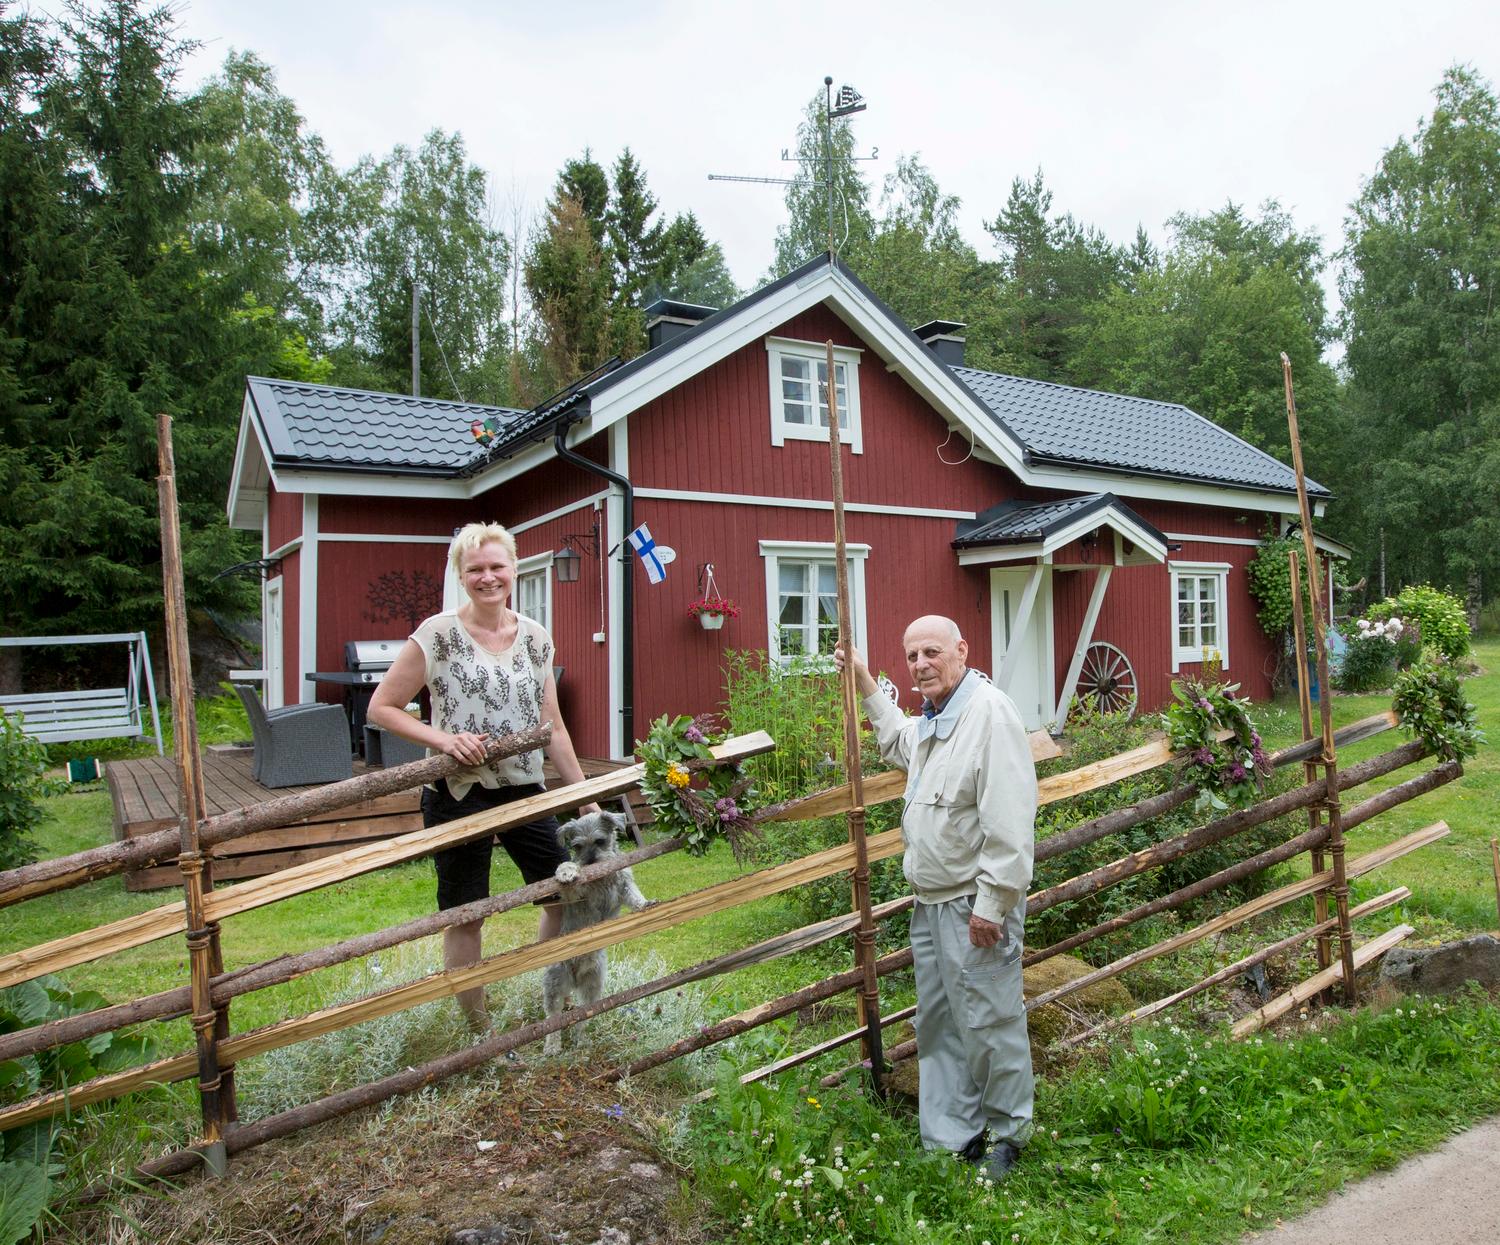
pixel 207 996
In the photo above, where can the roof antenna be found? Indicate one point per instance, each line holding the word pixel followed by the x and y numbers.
pixel 846 103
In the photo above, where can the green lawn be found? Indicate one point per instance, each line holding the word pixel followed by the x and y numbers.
pixel 1452 882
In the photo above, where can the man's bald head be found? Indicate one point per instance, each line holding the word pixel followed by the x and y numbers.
pixel 936 653
pixel 934 623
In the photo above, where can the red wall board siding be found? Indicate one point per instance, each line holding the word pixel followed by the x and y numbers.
pixel 713 434
pixel 392 516
pixel 577 615
pixel 909 571
pixel 371 590
pixel 284 517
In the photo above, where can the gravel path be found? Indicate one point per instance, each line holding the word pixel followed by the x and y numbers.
pixel 1448 1197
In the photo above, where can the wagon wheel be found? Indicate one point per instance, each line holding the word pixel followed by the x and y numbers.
pixel 1106 681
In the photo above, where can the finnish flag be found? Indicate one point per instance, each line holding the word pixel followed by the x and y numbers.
pixel 641 542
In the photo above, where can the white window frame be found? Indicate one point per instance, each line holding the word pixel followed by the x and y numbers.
pixel 850 428
pixel 1219 573
pixel 774 552
pixel 528 569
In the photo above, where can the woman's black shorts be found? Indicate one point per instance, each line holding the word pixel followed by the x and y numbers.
pixel 464 871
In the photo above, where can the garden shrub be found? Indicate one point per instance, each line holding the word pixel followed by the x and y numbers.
pixel 1370 660
pixel 29 1155
pixel 23 786
pixel 799 706
pixel 1094 738
pixel 1441 616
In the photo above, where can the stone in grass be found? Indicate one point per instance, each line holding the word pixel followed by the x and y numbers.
pixel 1445 968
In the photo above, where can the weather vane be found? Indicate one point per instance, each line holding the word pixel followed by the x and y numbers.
pixel 845 104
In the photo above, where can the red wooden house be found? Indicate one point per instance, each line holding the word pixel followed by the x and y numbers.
pixel 1077 537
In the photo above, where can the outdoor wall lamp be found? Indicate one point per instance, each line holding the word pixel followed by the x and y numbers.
pixel 565 561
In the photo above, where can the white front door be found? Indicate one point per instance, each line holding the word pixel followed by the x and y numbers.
pixel 271 657
pixel 1027 676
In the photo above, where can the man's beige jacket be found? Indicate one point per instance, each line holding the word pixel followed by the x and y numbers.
pixel 970 818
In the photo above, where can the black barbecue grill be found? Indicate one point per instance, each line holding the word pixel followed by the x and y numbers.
pixel 365 662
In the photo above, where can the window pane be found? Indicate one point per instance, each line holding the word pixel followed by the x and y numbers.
pixel 792 576
pixel 1185 637
pixel 1185 613
pixel 792 611
pixel 828 579
pixel 790 642
pixel 828 611
pixel 1210 636
pixel 1206 590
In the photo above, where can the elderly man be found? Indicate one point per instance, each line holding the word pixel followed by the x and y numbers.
pixel 969 827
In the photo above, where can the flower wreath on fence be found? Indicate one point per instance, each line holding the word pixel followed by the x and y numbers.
pixel 1429 700
pixel 1228 772
pixel 696 801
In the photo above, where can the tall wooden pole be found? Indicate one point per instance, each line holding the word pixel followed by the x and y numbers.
pixel 215 1091
pixel 1309 768
pixel 864 936
pixel 1325 702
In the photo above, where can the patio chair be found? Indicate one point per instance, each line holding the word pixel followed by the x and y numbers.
pixel 298 745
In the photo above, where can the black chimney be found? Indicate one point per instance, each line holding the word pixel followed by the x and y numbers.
pixel 945 338
pixel 666 318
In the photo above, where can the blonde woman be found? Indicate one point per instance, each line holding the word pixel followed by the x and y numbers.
pixel 488 671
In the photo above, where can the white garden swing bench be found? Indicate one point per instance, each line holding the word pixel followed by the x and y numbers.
pixel 101 713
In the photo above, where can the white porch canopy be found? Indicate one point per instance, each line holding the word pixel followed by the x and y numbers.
pixel 1021 534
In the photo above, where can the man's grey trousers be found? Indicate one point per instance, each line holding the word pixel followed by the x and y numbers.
pixel 974 1059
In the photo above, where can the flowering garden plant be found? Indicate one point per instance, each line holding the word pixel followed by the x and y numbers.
pixel 713 604
pixel 690 795
pixel 1228 772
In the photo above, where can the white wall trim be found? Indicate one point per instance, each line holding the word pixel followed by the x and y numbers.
pixel 560 512
pixel 815 550
pixel 273 656
pixel 614 533
pixel 1219 571
pixel 307 601
pixel 798 503
pixel 851 431
pixel 291 546
pixel 535 564
pixel 1214 540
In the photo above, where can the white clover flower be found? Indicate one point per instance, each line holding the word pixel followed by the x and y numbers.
pixel 1203 1089
pixel 921 1225
pixel 874 1136
pixel 879 1199
pixel 1095 1168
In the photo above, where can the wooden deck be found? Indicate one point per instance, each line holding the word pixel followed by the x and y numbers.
pixel 143 792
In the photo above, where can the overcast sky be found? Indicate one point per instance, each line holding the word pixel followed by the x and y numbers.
pixel 1133 111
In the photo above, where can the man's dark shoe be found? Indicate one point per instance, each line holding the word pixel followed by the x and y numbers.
pixel 998 1162
pixel 976 1148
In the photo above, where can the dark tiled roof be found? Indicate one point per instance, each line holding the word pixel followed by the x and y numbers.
pixel 319 425
pixel 1087 428
pixel 1018 522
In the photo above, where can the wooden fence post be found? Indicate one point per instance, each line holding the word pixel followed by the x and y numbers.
pixel 1325 703
pixel 1309 768
pixel 868 1004
pixel 215 1085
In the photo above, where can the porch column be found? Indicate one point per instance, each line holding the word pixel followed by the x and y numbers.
pixel 1085 638
pixel 1018 627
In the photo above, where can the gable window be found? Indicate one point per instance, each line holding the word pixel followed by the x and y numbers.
pixel 802 597
pixel 1199 621
pixel 799 392
pixel 534 589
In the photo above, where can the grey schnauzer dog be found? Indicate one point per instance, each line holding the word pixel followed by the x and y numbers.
pixel 588 840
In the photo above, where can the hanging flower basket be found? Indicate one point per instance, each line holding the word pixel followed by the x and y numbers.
pixel 711 611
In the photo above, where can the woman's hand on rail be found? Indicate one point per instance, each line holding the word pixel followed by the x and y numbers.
pixel 466 747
